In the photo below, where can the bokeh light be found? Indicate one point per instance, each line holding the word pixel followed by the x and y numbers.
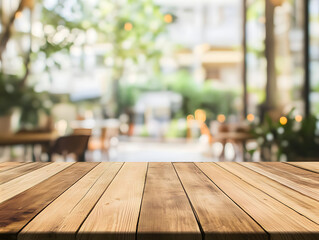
pixel 200 115
pixel 298 118
pixel 221 118
pixel 283 120
pixel 168 18
pixel 128 26
pixel 250 117
pixel 18 14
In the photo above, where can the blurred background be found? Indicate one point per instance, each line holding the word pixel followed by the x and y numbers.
pixel 159 80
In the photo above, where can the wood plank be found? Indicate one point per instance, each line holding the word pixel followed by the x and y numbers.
pixel 218 215
pixel 166 212
pixel 300 180
pixel 306 206
pixel 64 216
pixel 116 214
pixel 278 220
pixel 311 166
pixel 8 165
pixel 22 183
pixel 18 211
pixel 20 170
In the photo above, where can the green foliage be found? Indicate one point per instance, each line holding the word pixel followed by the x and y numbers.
pixel 128 96
pixel 8 94
pixel 194 96
pixel 176 131
pixel 207 97
pixel 294 140
pixel 25 98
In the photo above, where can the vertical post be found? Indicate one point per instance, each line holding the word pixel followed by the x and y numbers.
pixel 270 56
pixel 244 47
pixel 306 58
pixel 271 84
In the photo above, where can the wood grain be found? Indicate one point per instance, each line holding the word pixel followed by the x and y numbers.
pixel 218 215
pixel 143 201
pixel 300 180
pixel 8 165
pixel 277 219
pixel 18 211
pixel 311 166
pixel 63 217
pixel 20 170
pixel 166 212
pixel 116 214
pixel 302 204
pixel 22 183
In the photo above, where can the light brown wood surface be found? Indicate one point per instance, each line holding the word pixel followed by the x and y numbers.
pixel 65 215
pixel 295 200
pixel 303 181
pixel 19 210
pixel 171 215
pixel 20 170
pixel 311 166
pixel 280 221
pixel 24 182
pixel 159 201
pixel 217 214
pixel 9 165
pixel 116 213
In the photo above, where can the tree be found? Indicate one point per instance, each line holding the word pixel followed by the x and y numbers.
pixel 133 29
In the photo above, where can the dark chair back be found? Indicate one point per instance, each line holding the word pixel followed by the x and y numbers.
pixel 76 144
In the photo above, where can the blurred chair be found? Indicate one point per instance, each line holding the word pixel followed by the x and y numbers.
pixel 76 144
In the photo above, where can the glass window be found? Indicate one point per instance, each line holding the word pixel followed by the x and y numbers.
pixel 256 61
pixel 314 55
pixel 289 55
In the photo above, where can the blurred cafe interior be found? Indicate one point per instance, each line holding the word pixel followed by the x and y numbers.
pixel 159 80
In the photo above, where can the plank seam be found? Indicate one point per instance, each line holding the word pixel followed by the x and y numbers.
pixel 92 187
pixel 77 231
pixel 269 194
pixel 22 173
pixel 268 234
pixel 54 198
pixel 23 164
pixel 194 211
pixel 301 167
pixel 279 181
pixel 139 214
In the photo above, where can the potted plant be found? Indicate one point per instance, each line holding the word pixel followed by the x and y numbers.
pixel 15 96
pixel 290 138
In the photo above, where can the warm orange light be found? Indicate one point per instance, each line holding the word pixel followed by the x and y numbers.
pixel 298 118
pixel 190 117
pixel 18 14
pixel 277 2
pixel 168 18
pixel 128 26
pixel 200 115
pixel 250 117
pixel 283 120
pixel 221 118
pixel 262 20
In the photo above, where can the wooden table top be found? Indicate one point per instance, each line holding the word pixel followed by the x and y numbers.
pixel 159 201
pixel 28 138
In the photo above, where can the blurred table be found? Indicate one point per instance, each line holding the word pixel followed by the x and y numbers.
pixel 235 133
pixel 28 138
